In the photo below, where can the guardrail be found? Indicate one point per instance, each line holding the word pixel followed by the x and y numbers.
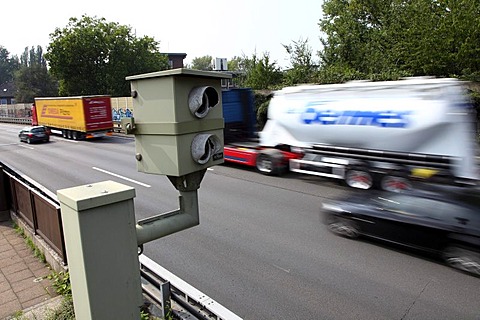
pixel 16 120
pixel 164 288
pixel 116 124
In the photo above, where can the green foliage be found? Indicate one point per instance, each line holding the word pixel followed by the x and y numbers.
pixel 93 56
pixel 17 315
pixel 262 99
pixel 360 35
pixel 144 315
pixel 61 282
pixel 8 65
pixel 445 41
pixel 33 79
pixel 36 251
pixel 471 76
pixel 475 100
pixel 261 73
pixel 303 68
pixel 376 38
pixel 64 312
pixel 236 63
pixel 336 73
pixel 147 316
pixel 203 63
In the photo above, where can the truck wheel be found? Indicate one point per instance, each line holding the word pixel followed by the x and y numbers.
pixel 395 183
pixel 75 135
pixel 264 164
pixel 268 162
pixel 359 179
pixel 64 134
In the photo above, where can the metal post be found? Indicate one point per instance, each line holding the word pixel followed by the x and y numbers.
pixel 185 217
pixel 4 209
pixel 166 300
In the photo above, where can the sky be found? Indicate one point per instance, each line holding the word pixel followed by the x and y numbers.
pixel 217 28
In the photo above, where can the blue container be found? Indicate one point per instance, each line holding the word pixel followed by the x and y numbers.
pixel 239 114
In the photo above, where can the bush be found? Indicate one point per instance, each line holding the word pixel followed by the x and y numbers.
pixel 262 99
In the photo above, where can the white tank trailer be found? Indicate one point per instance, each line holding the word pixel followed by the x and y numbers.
pixel 361 131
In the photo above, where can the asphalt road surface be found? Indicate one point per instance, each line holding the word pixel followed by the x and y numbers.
pixel 260 249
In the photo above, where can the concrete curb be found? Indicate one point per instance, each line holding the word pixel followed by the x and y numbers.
pixel 42 310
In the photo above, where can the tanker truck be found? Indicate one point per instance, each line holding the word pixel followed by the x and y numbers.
pixel 76 118
pixel 367 134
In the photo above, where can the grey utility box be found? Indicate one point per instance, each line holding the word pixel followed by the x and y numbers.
pixel 100 237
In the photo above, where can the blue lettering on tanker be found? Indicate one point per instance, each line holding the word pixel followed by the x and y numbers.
pixel 385 119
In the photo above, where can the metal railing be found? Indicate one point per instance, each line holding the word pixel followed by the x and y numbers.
pixel 190 301
pixel 16 120
pixel 27 121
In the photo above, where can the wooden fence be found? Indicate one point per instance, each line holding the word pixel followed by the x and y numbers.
pixel 36 207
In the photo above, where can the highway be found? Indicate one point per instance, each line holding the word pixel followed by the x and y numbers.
pixel 260 249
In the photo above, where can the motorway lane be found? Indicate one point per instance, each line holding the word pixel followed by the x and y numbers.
pixel 64 164
pixel 273 257
pixel 260 249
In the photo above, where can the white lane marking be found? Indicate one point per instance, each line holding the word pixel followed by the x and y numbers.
pixel 26 147
pixel 286 270
pixel 8 144
pixel 124 138
pixel 66 140
pixel 121 177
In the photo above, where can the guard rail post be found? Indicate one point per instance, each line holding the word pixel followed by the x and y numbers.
pixel 4 208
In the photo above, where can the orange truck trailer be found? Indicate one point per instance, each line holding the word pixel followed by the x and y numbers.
pixel 76 118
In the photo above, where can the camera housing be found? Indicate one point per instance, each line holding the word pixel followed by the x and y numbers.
pixel 178 120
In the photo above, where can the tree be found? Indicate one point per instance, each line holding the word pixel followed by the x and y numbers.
pixel 357 35
pixel 236 63
pixel 303 68
pixel 237 67
pixel 93 56
pixel 261 73
pixel 380 39
pixel 33 79
pixel 8 65
pixel 467 37
pixel 202 63
pixel 444 38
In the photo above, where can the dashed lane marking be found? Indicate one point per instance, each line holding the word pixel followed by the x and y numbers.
pixel 122 177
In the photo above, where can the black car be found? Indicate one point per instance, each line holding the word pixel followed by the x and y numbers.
pixel 34 134
pixel 443 223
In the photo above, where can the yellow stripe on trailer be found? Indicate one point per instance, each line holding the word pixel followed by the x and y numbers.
pixel 423 173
